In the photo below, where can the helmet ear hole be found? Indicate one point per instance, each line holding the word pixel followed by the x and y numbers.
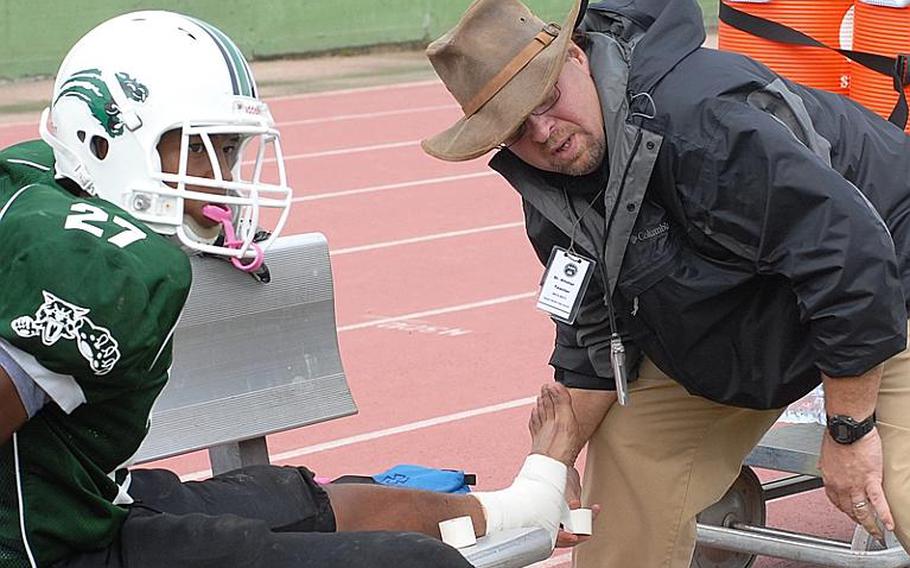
pixel 81 135
pixel 99 146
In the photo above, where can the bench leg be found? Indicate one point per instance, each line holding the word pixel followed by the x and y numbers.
pixel 227 457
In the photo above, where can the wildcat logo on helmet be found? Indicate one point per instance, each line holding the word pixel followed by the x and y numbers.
pixel 58 319
pixel 132 88
pixel 89 87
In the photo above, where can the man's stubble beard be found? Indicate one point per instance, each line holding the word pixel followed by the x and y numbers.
pixel 588 161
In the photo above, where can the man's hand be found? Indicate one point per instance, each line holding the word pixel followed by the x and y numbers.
pixel 591 406
pixel 853 473
pixel 566 539
pixel 853 481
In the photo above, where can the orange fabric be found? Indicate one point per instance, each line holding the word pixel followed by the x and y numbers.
pixel 885 31
pixel 811 66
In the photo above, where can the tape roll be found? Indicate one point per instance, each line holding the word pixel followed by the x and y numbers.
pixel 580 521
pixel 458 532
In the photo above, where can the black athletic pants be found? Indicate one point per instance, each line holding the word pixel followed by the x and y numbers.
pixel 260 516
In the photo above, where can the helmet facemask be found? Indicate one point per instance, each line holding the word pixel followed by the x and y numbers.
pixel 235 202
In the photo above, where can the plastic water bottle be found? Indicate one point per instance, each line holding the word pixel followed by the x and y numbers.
pixel 808 409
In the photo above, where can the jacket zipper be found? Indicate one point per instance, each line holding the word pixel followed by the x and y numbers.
pixel 622 182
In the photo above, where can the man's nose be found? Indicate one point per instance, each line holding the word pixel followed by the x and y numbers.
pixel 539 127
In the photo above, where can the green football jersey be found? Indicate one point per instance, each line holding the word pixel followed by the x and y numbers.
pixel 89 298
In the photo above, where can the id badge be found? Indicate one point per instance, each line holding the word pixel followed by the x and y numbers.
pixel 563 285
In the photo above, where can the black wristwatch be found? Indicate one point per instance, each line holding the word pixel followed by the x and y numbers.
pixel 846 430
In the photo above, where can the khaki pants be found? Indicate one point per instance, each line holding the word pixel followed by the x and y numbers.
pixel 655 464
pixel 893 415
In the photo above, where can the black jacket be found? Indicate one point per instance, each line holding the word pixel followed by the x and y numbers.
pixel 758 230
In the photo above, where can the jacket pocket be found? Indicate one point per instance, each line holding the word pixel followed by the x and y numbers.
pixel 653 245
pixel 724 334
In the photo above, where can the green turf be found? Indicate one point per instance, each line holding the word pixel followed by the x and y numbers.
pixel 268 28
pixel 710 7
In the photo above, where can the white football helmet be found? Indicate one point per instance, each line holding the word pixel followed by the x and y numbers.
pixel 139 75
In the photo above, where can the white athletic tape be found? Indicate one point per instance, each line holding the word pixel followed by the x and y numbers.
pixel 535 499
pixel 458 532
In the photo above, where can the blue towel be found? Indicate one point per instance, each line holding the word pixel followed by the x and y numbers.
pixel 426 478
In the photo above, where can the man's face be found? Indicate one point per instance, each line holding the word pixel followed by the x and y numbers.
pixel 227 146
pixel 569 137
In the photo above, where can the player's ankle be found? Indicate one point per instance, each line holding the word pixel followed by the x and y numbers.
pixel 535 498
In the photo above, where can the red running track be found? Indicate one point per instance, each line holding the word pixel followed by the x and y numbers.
pixel 434 280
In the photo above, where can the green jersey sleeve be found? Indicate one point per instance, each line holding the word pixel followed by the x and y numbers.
pixel 89 296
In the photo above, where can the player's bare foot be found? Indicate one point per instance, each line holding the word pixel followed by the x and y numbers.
pixel 554 429
pixel 537 496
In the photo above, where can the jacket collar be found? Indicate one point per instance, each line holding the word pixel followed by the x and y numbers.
pixel 675 29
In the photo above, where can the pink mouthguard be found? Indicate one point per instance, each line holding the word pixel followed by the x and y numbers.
pixel 222 215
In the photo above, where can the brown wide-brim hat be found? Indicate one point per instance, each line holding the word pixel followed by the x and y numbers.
pixel 499 62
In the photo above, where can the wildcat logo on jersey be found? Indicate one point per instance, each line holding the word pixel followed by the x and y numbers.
pixel 58 319
pixel 88 87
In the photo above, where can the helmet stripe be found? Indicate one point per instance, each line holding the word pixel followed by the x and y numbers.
pixel 238 64
pixel 249 73
pixel 246 82
pixel 232 71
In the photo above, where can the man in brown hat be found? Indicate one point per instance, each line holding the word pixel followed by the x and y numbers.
pixel 718 241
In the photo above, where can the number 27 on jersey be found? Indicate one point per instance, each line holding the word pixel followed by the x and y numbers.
pixel 88 218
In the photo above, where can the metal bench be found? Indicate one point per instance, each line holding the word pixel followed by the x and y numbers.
pixel 509 549
pixel 266 362
pixel 732 532
pixel 251 359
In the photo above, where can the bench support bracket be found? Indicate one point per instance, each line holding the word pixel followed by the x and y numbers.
pixel 227 457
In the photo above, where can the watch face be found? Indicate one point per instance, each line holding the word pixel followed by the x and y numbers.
pixel 842 432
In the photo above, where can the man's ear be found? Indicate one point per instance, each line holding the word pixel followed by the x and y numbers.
pixel 577 55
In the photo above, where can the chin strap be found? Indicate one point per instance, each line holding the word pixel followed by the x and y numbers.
pixel 223 215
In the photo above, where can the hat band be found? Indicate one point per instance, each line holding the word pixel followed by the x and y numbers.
pixel 543 38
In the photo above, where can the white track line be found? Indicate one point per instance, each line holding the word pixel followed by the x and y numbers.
pixel 404 428
pixel 11 125
pixel 303 96
pixel 426 238
pixel 438 311
pixel 402 185
pixel 356 90
pixel 385 433
pixel 365 115
pixel 341 151
pixel 352 150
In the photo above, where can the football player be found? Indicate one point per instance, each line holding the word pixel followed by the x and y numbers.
pixel 140 161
